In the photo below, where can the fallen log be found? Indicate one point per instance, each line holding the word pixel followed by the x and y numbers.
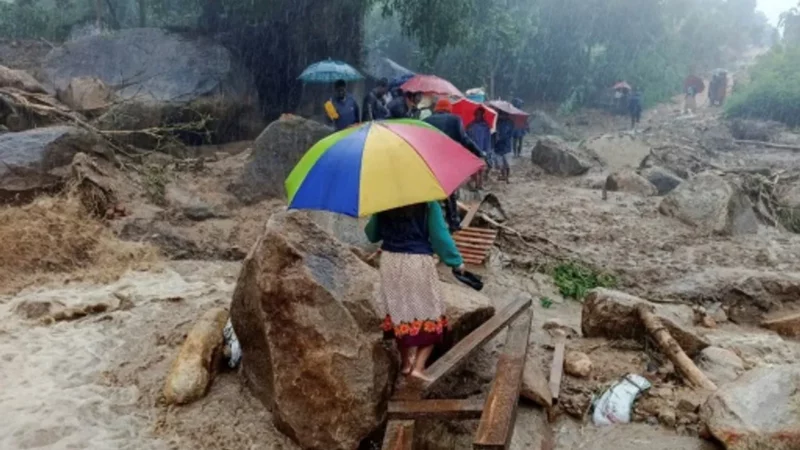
pixel 672 350
pixel 793 148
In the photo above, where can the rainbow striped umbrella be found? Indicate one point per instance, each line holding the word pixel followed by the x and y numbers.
pixel 379 166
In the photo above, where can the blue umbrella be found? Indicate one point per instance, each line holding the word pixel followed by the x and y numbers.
pixel 328 72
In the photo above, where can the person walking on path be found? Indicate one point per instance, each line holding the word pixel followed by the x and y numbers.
pixel 342 108
pixel 481 134
pixel 503 144
pixel 635 108
pixel 690 102
pixel 410 291
pixel 452 125
pixel 404 106
pixel 374 107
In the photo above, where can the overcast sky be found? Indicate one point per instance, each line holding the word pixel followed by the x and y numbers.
pixel 774 8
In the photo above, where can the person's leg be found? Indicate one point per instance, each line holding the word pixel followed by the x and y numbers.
pixel 423 353
pixel 407 358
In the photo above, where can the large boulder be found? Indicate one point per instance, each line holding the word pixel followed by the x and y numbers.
pixel 19 79
pixel 275 153
pixel 617 151
pixel 663 179
pixel 612 314
pixel 720 365
pixel 627 180
pixel 556 158
pixel 712 204
pixel 540 123
pixel 305 316
pixel 86 94
pixel 162 78
pixel 757 411
pixel 37 160
pixel 755 130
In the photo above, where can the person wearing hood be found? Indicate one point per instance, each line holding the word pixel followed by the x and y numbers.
pixel 452 125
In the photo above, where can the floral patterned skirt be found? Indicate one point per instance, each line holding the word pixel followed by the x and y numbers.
pixel 412 299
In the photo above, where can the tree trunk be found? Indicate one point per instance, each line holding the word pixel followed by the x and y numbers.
pixel 673 351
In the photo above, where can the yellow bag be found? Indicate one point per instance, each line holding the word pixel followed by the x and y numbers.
pixel 331 110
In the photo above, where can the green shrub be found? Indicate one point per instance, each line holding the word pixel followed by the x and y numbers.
pixel 773 92
pixel 575 281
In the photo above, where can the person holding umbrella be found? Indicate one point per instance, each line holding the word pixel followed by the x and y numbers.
pixel 394 172
pixel 342 108
pixel 404 105
pixel 481 134
pixel 374 107
pixel 504 141
pixel 452 125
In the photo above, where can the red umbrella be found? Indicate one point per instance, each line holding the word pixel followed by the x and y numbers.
pixel 695 82
pixel 430 84
pixel 622 85
pixel 465 108
pixel 519 116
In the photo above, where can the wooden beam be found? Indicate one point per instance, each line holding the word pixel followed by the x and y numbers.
pixel 438 409
pixel 469 344
pixel 500 412
pixel 399 435
pixel 471 211
pixel 557 369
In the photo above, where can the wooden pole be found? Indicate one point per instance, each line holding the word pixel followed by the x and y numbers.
pixel 674 352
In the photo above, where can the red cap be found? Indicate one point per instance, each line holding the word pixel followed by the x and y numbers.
pixel 443 104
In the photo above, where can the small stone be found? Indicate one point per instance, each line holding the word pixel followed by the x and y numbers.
pixel 688 418
pixel 717 312
pixel 557 324
pixel 662 392
pixel 577 364
pixel 667 417
pixel 708 322
pixel 689 404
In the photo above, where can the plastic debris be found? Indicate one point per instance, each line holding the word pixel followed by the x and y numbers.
pixel 232 343
pixel 615 405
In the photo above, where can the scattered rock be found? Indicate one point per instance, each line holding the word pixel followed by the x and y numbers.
pixel 667 417
pixel 37 160
pixel 37 309
pixel 713 204
pixel 612 314
pixel 534 382
pixel 720 365
pixel 162 78
pixel 19 79
pixel 540 123
pixel 747 295
pixel 556 158
pixel 759 410
pixel 557 324
pixel 629 181
pixel 577 364
pixel 618 151
pixel 708 322
pixel 787 324
pixel 664 180
pixel 689 404
pixel 755 130
pixel 86 94
pixel 717 312
pixel 189 205
pixel 305 316
pixel 276 151
pixel 50 312
pixel 193 370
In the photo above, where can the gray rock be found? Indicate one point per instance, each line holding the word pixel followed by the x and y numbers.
pixel 556 158
pixel 172 77
pixel 631 182
pixel 540 123
pixel 276 151
pixel 721 365
pixel 712 204
pixel 19 79
pixel 757 411
pixel 36 160
pixel 664 180
pixel 617 151
pixel 755 130
pixel 612 314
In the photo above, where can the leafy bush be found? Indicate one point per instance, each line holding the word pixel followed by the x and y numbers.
pixel 773 92
pixel 575 281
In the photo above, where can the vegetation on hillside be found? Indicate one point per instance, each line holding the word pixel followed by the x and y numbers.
pixel 773 89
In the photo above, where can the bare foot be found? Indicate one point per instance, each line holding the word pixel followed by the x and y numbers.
pixel 406 370
pixel 420 375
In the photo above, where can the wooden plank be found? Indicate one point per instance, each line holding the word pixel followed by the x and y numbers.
pixel 500 412
pixel 471 211
pixel 459 238
pixel 439 409
pixel 399 435
pixel 557 369
pixel 479 231
pixel 484 247
pixel 469 344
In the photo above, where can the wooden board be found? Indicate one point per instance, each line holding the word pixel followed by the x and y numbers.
pixel 469 344
pixel 439 409
pixel 399 435
pixel 557 369
pixel 500 412
pixel 471 211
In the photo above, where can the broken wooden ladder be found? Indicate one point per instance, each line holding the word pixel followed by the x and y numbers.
pixel 473 243
pixel 497 413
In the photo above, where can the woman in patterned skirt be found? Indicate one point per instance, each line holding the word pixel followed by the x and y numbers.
pixel 410 292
